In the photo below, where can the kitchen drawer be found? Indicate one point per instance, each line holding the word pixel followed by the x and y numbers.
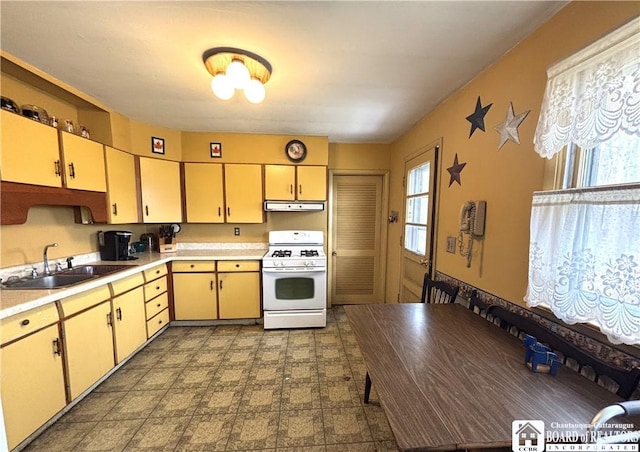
pixel 193 266
pixel 155 272
pixel 157 304
pixel 126 284
pixel 27 322
pixel 157 322
pixel 154 288
pixel 76 303
pixel 238 266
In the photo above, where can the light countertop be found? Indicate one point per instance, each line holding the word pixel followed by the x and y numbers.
pixel 15 301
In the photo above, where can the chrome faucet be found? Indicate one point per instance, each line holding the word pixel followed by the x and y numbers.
pixel 45 259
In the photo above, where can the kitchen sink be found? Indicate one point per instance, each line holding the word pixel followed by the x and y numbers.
pixel 64 278
pixel 48 282
pixel 95 270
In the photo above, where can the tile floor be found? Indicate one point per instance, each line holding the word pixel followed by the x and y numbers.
pixel 231 388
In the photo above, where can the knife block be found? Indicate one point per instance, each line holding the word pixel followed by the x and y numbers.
pixel 168 247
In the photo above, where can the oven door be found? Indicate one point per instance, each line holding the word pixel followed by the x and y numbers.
pixel 294 288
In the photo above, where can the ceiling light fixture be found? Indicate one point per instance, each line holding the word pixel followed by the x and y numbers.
pixel 234 69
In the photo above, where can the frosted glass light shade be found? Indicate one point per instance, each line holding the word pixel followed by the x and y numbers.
pixel 238 73
pixel 254 91
pixel 222 87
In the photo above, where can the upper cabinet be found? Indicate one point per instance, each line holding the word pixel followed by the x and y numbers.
pixel 83 163
pixel 289 183
pixel 160 189
pixel 121 186
pixel 29 152
pixel 204 193
pixel 243 190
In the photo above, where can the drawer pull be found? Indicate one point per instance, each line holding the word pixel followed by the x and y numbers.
pixel 237 265
pixel 160 322
pixel 25 322
pixel 56 346
pixel 157 272
pixel 192 265
pixel 158 305
pixel 157 287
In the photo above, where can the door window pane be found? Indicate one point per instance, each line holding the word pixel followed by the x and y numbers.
pixel 415 239
pixel 418 182
pixel 418 210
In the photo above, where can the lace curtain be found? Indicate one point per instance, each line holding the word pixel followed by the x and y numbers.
pixel 593 94
pixel 584 258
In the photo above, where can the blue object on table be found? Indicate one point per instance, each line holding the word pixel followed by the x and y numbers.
pixel 537 354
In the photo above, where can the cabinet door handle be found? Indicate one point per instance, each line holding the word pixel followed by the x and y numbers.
pixel 115 208
pixel 211 285
pixel 56 346
pixel 72 171
pixel 146 210
pixel 220 284
pixel 119 314
pixel 291 188
pixel 56 166
pixel 300 191
pixel 219 212
pixel 109 323
pixel 228 211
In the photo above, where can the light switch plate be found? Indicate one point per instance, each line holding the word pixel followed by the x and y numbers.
pixel 451 245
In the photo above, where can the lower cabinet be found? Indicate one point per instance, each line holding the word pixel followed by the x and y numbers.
pixel 129 322
pixel 31 373
pixel 239 289
pixel 194 290
pixel 156 299
pixel 88 346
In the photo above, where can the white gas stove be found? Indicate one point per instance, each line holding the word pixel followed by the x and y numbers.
pixel 294 279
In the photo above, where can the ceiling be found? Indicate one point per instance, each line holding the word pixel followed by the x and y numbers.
pixel 357 72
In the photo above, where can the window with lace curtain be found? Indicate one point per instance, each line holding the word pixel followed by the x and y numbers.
pixel 584 255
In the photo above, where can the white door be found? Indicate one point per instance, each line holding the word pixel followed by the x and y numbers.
pixel 418 220
pixel 357 239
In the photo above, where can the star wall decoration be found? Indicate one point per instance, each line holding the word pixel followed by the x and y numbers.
pixel 477 117
pixel 455 171
pixel 508 129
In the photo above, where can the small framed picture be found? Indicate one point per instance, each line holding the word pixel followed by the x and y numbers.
pixel 157 145
pixel 215 150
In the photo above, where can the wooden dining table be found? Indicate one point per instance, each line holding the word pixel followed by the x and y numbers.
pixel 449 379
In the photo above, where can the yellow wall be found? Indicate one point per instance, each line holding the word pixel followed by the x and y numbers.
pixel 141 134
pixel 348 156
pixel 23 243
pixel 249 148
pixel 504 178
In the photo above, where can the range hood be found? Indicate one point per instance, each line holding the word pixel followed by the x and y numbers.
pixel 293 206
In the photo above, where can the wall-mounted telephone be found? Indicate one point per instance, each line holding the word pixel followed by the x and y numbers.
pixel 472 215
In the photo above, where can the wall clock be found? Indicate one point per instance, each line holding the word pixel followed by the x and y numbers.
pixel 296 150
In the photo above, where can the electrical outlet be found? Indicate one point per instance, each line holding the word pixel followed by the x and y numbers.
pixel 451 245
pixel 236 231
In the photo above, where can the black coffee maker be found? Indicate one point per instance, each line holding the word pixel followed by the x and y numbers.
pixel 114 245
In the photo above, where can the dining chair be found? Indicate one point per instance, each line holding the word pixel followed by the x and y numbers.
pixel 438 292
pixel 475 302
pixel 626 380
